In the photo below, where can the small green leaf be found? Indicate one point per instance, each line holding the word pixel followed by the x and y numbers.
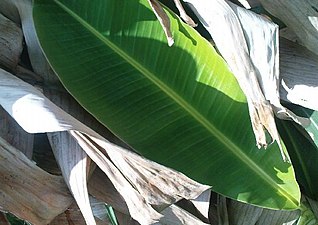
pixel 111 215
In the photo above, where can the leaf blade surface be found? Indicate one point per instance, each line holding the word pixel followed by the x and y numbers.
pixel 178 106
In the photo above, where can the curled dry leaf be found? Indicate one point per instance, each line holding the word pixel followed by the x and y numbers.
pixel 225 28
pixel 262 39
pixel 23 185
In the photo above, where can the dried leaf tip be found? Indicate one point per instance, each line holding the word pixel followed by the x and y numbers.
pixel 170 41
pixel 163 19
pixel 184 15
pixel 245 3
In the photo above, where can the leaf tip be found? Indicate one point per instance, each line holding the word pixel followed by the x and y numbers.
pixel 170 41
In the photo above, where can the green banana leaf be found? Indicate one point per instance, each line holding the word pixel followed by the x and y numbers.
pixel 179 106
pixel 307 216
pixel 304 155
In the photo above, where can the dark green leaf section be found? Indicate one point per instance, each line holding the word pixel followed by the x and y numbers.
pixel 304 156
pixel 312 115
pixel 14 220
pixel 179 106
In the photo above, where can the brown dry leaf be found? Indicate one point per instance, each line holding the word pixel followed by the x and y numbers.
pixel 17 96
pixel 3 219
pixel 24 186
pixel 10 43
pixel 74 164
pixel 73 216
pixel 172 215
pixel 160 186
pixel 103 189
pixel 138 208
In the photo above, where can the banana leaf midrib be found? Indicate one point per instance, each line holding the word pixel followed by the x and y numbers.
pixel 182 103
